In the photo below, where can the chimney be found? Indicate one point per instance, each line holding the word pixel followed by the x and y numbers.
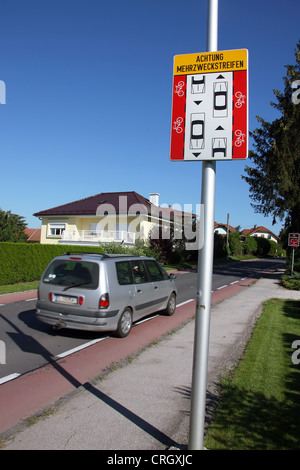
pixel 154 199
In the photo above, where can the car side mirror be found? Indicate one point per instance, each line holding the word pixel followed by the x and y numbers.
pixel 172 276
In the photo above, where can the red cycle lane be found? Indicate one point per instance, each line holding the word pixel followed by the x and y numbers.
pixel 35 390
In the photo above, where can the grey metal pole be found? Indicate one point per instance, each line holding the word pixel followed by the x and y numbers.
pixel 205 267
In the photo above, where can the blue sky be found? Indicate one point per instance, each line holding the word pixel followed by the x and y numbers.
pixel 89 90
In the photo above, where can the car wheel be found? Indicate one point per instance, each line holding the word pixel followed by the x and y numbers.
pixel 125 324
pixel 171 307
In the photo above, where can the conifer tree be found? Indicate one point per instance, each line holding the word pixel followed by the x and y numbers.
pixel 12 227
pixel 275 179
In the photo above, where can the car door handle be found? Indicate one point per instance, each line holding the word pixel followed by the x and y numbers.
pixel 155 287
pixel 139 291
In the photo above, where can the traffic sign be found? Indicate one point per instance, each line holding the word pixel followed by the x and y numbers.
pixel 210 106
pixel 294 239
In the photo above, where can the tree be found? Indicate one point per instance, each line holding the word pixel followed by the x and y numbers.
pixel 275 180
pixel 12 227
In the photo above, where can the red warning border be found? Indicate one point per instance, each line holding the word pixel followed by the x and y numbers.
pixel 178 118
pixel 240 115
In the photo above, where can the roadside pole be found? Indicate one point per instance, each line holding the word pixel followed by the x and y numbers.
pixel 204 284
pixel 209 124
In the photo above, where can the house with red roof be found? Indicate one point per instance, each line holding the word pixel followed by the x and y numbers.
pixel 260 231
pixel 222 229
pixel 120 217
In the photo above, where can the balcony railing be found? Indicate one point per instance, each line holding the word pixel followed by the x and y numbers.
pixel 102 236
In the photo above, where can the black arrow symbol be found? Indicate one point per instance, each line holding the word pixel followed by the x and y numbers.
pixel 220 128
pixel 197 154
pixel 220 76
pixel 198 102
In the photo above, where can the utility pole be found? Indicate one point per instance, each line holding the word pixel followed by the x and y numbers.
pixel 227 234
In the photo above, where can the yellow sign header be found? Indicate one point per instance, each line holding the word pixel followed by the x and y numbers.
pixel 206 62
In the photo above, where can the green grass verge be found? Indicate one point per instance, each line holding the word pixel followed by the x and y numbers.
pixel 20 287
pixel 260 404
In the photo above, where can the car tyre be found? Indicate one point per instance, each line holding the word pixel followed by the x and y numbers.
pixel 171 307
pixel 125 324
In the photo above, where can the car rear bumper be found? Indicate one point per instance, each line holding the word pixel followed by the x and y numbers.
pixel 76 322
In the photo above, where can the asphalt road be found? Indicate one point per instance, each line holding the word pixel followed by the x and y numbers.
pixel 31 344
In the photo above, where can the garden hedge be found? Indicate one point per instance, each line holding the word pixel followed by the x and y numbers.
pixel 24 262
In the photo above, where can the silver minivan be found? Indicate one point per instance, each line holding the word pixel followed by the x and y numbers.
pixel 100 292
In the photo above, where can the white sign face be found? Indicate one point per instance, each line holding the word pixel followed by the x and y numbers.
pixel 210 112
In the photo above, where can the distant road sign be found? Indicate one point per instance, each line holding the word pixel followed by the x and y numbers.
pixel 210 106
pixel 294 239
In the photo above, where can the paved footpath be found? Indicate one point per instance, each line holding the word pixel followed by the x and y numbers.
pixel 144 404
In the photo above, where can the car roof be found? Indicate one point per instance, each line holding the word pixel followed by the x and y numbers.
pixel 100 256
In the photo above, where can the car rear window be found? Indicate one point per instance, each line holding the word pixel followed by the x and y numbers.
pixel 69 273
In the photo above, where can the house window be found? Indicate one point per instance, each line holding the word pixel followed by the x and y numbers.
pixel 56 229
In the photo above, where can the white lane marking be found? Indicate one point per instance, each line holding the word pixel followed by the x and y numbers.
pixel 82 346
pixel 90 343
pixel 234 282
pixel 222 287
pixel 145 319
pixel 30 300
pixel 8 377
pixel 185 302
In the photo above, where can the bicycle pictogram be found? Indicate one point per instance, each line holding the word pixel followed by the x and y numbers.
pixel 240 99
pixel 177 125
pixel 179 88
pixel 240 138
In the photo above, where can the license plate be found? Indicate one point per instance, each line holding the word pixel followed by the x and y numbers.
pixel 65 299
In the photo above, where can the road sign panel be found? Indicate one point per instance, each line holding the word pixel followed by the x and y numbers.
pixel 294 239
pixel 210 106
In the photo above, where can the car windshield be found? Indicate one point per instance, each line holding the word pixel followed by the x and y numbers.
pixel 69 273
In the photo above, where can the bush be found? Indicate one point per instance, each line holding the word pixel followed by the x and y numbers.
pixel 24 262
pixel 250 245
pixel 291 281
pixel 219 246
pixel 235 244
pixel 139 249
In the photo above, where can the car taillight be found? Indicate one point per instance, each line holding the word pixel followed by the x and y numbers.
pixel 80 300
pixel 104 301
pixel 50 296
